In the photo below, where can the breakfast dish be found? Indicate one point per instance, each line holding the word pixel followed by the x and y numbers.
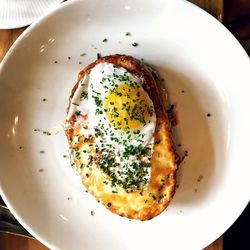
pixel 200 80
pixel 120 137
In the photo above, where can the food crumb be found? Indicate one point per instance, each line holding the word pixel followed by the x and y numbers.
pixel 105 40
pixel 208 114
pixel 46 133
pixel 93 46
pixel 179 145
pixel 186 153
pixel 69 198
pixel 42 151
pixel 41 170
pixel 98 55
pixel 83 54
pixel 20 147
pixel 135 44
pixel 183 91
pixel 195 190
pixel 65 156
pixel 44 99
pixel 55 61
pixel 80 62
pixel 127 34
pixel 177 185
pixel 200 178
pixel 92 213
pixel 69 57
pixel 109 204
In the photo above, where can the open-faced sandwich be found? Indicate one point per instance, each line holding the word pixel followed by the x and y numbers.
pixel 120 137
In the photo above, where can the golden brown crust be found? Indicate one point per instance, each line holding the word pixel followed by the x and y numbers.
pixel 151 201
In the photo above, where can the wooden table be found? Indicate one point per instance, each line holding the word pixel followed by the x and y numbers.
pixel 7 38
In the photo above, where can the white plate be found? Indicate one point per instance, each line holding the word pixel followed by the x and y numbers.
pixel 16 13
pixel 194 53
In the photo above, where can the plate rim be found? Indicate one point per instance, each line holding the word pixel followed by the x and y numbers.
pixel 15 46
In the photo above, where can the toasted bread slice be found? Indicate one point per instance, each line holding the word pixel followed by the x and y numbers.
pixel 154 198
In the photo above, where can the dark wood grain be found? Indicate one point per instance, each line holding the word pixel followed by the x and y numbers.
pixel 237 20
pixel 216 245
pixel 7 38
pixel 14 242
pixel 214 7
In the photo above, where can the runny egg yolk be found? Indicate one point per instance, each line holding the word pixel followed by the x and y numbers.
pixel 127 107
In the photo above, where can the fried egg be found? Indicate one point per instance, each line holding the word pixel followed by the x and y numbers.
pixel 119 116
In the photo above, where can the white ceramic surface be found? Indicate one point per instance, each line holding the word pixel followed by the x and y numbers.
pixel 195 54
pixel 19 13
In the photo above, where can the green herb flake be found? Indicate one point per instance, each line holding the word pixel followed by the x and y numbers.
pixel 98 55
pixel 153 196
pixel 84 95
pixel 157 142
pixel 46 133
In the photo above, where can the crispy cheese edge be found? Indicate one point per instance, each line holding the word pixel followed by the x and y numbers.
pixel 151 201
